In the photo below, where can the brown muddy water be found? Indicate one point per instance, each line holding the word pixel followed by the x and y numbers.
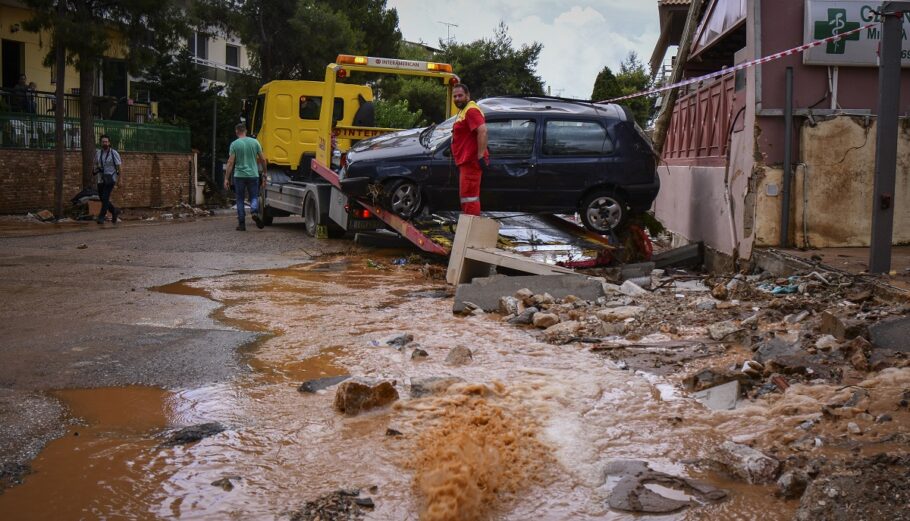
pixel 526 436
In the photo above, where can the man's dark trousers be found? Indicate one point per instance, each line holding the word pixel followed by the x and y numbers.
pixel 104 191
pixel 242 185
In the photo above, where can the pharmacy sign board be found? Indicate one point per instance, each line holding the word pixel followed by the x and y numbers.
pixel 825 18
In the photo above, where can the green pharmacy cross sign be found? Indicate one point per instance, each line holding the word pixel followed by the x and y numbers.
pixel 836 24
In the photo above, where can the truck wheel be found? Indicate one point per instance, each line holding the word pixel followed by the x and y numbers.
pixel 403 198
pixel 603 211
pixel 310 216
pixel 264 214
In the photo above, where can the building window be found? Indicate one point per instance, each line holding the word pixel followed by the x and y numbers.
pixel 199 46
pixel 232 55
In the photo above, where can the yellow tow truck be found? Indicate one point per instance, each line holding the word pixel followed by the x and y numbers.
pixel 296 125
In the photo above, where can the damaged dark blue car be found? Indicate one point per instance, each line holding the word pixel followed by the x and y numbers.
pixel 547 155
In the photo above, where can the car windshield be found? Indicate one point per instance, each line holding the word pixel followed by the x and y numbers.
pixel 438 134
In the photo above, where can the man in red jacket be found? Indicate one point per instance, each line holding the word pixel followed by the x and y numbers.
pixel 469 148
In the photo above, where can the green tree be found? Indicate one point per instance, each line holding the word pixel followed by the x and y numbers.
pixel 296 39
pixel 87 31
pixel 494 67
pixel 632 78
pixel 397 114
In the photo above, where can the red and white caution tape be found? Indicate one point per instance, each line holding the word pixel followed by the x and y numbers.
pixel 724 72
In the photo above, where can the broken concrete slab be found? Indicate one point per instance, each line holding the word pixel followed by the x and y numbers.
pixel 318 384
pixel 749 464
pixel 723 330
pixel 893 334
pixel 632 289
pixel 720 398
pixel 688 256
pixel 841 328
pixel 620 313
pixel 485 292
pixel 631 492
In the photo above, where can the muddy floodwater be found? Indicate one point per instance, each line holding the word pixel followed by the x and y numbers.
pixel 535 424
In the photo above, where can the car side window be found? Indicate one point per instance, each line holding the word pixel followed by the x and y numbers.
pixel 511 137
pixel 576 138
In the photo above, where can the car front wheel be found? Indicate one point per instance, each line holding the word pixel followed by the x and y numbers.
pixel 603 211
pixel 403 198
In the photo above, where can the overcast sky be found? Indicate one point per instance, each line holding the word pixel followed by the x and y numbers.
pixel 578 37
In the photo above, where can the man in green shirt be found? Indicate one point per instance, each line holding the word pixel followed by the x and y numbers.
pixel 246 165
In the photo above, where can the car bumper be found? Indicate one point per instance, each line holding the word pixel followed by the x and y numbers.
pixel 640 197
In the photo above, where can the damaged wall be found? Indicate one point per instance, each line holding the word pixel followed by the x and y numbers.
pixel 831 198
pixel 150 179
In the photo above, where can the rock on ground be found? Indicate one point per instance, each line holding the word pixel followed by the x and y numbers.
pixel 459 356
pixel 619 314
pixel 193 434
pixel 545 320
pixel 356 396
pixel 433 385
pixel 747 463
pixel 722 330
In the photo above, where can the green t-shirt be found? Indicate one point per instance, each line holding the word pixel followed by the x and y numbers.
pixel 245 151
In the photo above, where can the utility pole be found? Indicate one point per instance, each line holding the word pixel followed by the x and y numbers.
pixel 214 132
pixel 889 93
pixel 449 27
pixel 59 112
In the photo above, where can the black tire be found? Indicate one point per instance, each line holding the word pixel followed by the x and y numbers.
pixel 603 211
pixel 310 216
pixel 265 216
pixel 403 198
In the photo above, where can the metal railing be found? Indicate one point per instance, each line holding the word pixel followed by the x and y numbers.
pixel 26 130
pixel 40 103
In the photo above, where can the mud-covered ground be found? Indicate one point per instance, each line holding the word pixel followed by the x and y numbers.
pixel 821 360
pixel 79 310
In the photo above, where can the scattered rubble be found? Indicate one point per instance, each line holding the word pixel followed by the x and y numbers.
pixel 355 396
pixel 341 505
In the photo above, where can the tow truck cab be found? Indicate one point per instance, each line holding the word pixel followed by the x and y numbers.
pixel 286 119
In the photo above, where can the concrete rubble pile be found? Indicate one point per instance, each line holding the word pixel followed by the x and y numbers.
pixel 757 340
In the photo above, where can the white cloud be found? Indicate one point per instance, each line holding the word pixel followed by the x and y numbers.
pixel 579 38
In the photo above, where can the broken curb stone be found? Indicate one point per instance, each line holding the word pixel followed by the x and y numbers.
pixel 356 396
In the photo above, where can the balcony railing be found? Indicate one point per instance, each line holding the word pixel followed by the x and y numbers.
pixel 700 125
pixel 39 103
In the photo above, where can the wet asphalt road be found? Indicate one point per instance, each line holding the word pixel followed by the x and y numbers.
pixel 80 310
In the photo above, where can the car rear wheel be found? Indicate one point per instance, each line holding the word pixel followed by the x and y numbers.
pixel 604 211
pixel 403 198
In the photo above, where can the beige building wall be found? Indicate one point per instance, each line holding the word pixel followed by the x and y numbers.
pixel 831 198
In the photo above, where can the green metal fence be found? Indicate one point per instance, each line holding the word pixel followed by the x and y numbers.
pixel 38 132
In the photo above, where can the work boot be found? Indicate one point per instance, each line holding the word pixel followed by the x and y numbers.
pixel 258 221
pixel 115 215
pixel 100 219
pixel 241 227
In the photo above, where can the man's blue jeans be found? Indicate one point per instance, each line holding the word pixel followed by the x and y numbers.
pixel 242 185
